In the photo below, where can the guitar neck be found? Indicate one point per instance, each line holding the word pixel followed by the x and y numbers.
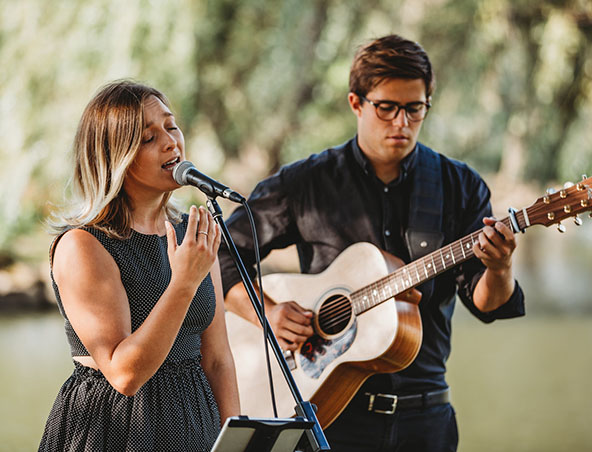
pixel 426 268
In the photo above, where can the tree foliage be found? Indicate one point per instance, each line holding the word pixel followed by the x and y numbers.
pixel 258 83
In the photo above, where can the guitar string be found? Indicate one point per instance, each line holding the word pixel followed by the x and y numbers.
pixel 328 315
pixel 342 321
pixel 455 251
pixel 339 310
pixel 334 305
pixel 434 262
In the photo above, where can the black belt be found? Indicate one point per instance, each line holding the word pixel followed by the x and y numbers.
pixel 389 403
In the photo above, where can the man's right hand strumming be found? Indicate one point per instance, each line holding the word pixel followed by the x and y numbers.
pixel 290 322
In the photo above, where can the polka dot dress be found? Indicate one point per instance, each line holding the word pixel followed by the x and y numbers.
pixel 175 410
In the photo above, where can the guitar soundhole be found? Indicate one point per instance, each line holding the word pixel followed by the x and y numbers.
pixel 335 314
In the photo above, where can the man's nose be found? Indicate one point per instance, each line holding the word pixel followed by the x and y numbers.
pixel 401 117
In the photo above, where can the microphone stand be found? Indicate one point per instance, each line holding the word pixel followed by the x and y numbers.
pixel 316 437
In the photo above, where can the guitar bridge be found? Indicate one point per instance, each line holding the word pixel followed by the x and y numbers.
pixel 290 360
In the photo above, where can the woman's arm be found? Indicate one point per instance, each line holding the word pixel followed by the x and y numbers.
pixel 97 306
pixel 217 360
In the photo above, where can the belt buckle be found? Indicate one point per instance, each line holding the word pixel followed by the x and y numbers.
pixel 372 398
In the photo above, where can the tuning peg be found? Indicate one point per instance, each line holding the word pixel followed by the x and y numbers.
pixel 547 197
pixel 578 221
pixel 584 177
pixel 568 184
pixel 560 228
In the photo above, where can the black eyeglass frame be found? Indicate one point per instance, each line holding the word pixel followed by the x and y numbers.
pixel 399 107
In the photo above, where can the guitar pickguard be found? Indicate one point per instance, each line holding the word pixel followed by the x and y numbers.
pixel 316 353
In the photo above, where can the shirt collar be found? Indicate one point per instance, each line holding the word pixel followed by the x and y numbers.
pixel 408 164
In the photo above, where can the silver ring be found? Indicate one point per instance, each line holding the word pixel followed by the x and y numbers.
pixel 203 232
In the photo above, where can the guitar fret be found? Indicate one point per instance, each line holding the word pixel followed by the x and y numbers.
pixel 442 258
pixel 425 270
pixel 452 253
pixel 456 251
pixel 526 219
pixel 407 280
pixel 462 248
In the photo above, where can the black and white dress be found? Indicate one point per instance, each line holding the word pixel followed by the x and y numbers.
pixel 175 410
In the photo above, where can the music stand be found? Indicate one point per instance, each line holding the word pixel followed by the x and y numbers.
pixel 304 409
pixel 244 434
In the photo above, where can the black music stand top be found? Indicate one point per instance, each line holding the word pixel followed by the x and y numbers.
pixel 244 434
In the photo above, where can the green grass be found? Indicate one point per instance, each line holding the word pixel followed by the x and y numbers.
pixel 523 385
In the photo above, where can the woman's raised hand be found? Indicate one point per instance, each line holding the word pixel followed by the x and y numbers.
pixel 191 260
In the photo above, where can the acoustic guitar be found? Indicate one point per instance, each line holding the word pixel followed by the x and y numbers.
pixel 361 328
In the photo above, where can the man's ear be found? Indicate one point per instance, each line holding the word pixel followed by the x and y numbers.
pixel 355 104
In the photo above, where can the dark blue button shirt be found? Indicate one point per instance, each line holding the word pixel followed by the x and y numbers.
pixel 327 202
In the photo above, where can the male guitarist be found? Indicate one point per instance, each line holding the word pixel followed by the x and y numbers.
pixel 385 188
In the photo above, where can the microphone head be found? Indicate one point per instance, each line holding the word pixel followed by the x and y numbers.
pixel 180 172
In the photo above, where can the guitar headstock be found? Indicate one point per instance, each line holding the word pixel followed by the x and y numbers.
pixel 568 202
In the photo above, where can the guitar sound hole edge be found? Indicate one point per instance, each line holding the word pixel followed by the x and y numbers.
pixel 334 316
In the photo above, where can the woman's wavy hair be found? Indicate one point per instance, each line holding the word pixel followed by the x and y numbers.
pixel 108 138
pixel 389 57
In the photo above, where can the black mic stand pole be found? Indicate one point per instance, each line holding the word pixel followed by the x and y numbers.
pixel 316 437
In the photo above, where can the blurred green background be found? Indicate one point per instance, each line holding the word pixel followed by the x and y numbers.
pixel 258 83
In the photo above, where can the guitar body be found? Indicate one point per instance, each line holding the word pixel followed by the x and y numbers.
pixel 331 366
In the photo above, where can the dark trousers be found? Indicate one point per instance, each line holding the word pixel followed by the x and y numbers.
pixel 431 429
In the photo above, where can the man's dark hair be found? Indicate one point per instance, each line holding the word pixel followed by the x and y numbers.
pixel 389 57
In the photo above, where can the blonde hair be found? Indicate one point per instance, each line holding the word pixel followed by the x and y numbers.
pixel 108 138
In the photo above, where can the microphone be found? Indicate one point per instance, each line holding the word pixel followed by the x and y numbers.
pixel 185 173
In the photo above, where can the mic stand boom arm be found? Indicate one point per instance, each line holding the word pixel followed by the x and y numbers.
pixel 303 408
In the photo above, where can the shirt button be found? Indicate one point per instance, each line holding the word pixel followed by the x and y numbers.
pixel 386 189
pixel 387 232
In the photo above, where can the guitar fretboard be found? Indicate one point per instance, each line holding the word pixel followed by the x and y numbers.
pixel 425 268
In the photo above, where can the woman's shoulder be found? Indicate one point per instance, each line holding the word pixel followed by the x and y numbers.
pixel 76 245
pixel 78 256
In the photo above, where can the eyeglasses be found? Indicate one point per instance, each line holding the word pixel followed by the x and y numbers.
pixel 387 110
